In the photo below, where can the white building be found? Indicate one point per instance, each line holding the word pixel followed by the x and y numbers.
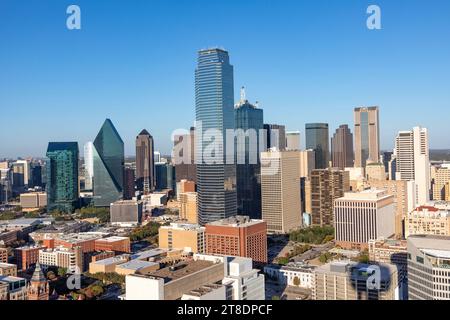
pixel 71 259
pixel 292 140
pixel 413 161
pixel 246 282
pixel 362 216
pixel 292 274
pixel 88 165
pixel 206 277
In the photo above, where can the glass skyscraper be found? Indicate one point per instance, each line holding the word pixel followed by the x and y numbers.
pixel 62 176
pixel 214 96
pixel 317 138
pixel 109 160
pixel 248 116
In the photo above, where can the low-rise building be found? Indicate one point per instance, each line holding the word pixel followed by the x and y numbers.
pixel 8 269
pixel 428 220
pixel 33 200
pixel 115 243
pixel 69 258
pixel 13 288
pixel 346 280
pixel 238 236
pixel 293 274
pixel 126 213
pixel 4 253
pixel 200 278
pixel 187 237
pixel 27 256
pixel 136 267
pixel 107 265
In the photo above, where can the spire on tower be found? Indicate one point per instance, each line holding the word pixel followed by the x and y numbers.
pixel 242 94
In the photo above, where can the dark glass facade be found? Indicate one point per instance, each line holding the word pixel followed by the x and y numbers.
pixel 165 176
pixel 145 162
pixel 275 136
pixel 317 138
pixel 62 176
pixel 108 166
pixel 214 110
pixel 247 116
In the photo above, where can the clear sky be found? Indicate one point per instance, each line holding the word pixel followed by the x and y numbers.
pixel 133 61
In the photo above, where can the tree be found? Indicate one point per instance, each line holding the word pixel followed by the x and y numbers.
pixel 296 281
pixel 62 271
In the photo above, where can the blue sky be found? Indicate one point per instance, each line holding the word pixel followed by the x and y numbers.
pixel 133 61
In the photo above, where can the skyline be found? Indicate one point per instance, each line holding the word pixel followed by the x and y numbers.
pixel 405 67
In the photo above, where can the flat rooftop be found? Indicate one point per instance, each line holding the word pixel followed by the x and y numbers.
pixel 112 260
pixel 113 239
pixel 236 221
pixel 82 236
pixel 6 265
pixel 148 254
pixel 136 265
pixel 184 269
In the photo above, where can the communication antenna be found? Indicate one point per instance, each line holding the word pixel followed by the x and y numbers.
pixel 242 94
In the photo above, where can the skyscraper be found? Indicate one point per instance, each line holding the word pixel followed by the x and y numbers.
pixel 293 140
pixel 108 166
pixel 317 138
pixel 214 96
pixel 249 119
pixel 88 165
pixel 280 189
pixel 145 162
pixel 342 147
pixel 184 156
pixel 326 186
pixel 275 136
pixel 413 161
pixel 367 136
pixel 62 176
pixel 128 184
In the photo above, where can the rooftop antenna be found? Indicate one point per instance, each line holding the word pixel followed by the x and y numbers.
pixel 242 94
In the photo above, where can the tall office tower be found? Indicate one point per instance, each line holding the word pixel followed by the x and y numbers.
pixel 428 272
pixel 404 199
pixel 36 175
pixel 184 156
pixel 317 139
pixel 307 163
pixel 109 161
pixel 145 162
pixel 62 176
pixel 248 123
pixel 393 167
pixel 342 148
pixel 165 176
pixel 275 136
pixel 214 112
pixel 188 207
pixel 128 183
pixel 367 136
pixel 413 161
pixel 18 175
pixel 238 236
pixel 26 171
pixel 326 186
pixel 387 156
pixel 293 140
pixel 280 190
pixel 88 165
pixel 362 216
pixel 441 179
pixel 157 156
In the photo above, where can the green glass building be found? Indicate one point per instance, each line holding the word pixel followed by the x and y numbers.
pixel 109 159
pixel 62 176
